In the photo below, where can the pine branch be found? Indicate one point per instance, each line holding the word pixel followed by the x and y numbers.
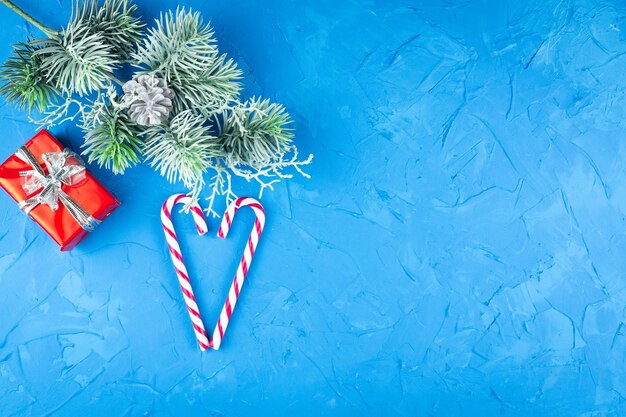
pixel 254 133
pixel 114 20
pixel 182 151
pixel 179 48
pixel 77 60
pixel 209 91
pixel 255 144
pixel 112 139
pixel 24 82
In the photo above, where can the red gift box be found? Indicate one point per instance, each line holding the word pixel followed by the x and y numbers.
pixel 86 197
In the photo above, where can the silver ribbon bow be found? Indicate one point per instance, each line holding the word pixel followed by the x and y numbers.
pixel 64 168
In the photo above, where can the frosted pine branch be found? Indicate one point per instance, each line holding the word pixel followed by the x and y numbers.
pixel 179 48
pixel 198 125
pixel 183 150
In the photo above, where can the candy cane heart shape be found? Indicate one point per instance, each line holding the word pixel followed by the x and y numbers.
pixel 179 265
pixel 244 264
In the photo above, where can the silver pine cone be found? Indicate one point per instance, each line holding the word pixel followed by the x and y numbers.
pixel 148 99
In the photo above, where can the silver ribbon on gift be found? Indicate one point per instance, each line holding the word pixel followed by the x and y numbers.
pixel 64 168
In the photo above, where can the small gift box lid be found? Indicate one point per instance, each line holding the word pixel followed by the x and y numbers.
pixel 90 194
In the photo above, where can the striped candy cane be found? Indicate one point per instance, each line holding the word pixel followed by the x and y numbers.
pixel 244 264
pixel 179 265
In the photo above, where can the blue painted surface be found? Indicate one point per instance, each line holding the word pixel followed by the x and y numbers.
pixel 458 252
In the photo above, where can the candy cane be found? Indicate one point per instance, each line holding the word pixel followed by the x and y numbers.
pixel 244 264
pixel 179 265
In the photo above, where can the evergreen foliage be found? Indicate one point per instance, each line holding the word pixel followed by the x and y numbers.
pixel 112 139
pixel 24 80
pixel 203 126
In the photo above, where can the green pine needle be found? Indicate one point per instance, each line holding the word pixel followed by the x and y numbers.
pixel 114 141
pixel 114 20
pixel 254 133
pixel 183 150
pixel 211 90
pixel 77 60
pixel 179 48
pixel 24 81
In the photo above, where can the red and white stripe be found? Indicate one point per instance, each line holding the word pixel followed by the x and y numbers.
pixel 179 265
pixel 244 264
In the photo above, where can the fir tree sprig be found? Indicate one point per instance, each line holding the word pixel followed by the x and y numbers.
pixel 114 20
pixel 24 80
pixel 81 58
pixel 77 60
pixel 179 48
pixel 254 133
pixel 256 143
pixel 182 150
pixel 112 139
pixel 211 90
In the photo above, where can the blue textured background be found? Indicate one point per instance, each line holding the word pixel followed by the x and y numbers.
pixel 459 250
